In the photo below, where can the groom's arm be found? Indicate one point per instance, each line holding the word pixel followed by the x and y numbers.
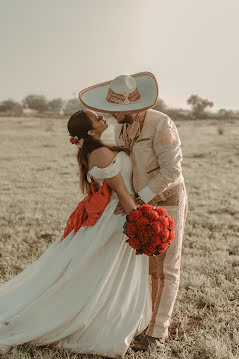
pixel 166 144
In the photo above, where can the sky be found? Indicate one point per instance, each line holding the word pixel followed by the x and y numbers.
pixel 58 47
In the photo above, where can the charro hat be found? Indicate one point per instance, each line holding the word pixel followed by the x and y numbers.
pixel 125 93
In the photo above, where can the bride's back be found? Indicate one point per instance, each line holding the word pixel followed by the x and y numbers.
pixel 109 164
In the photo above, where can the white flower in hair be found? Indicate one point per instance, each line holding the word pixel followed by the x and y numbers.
pixel 81 142
pixel 74 140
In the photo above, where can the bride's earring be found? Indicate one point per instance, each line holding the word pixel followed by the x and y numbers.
pixel 91 133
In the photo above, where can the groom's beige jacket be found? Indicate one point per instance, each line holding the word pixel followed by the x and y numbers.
pixel 156 156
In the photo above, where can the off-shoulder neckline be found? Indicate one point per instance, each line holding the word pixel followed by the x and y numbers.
pixel 108 165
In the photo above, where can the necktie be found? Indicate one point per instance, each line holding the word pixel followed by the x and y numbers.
pixel 131 132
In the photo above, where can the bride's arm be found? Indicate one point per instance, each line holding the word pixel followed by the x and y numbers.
pixel 102 158
pixel 126 199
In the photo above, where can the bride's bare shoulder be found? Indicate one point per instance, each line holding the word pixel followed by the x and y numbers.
pixel 101 157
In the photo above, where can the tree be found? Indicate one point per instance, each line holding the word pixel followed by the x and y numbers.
pixel 198 105
pixel 11 107
pixel 55 105
pixel 36 102
pixel 72 105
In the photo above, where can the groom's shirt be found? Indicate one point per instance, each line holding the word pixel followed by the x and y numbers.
pixel 156 155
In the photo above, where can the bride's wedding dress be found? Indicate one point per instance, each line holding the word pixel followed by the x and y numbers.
pixel 89 293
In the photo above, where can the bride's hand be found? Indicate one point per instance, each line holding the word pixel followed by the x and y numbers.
pixel 120 209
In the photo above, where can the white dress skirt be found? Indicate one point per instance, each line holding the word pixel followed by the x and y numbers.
pixel 89 293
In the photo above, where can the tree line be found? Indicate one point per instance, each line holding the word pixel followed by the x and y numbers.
pixel 39 105
pixel 199 109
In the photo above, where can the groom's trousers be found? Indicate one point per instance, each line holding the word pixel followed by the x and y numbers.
pixel 165 271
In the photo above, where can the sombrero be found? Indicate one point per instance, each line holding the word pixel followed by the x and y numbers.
pixel 125 93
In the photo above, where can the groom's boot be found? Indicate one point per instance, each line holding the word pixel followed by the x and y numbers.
pixel 146 343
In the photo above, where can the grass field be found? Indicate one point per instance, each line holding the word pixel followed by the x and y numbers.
pixel 40 188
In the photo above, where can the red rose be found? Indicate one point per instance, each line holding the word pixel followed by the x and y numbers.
pixel 171 222
pixel 153 215
pixel 135 215
pixel 171 236
pixel 131 229
pixel 165 234
pixel 142 223
pixel 149 250
pixel 162 247
pixel 134 243
pixel 155 241
pixel 144 236
pixel 146 208
pixel 155 227
pixel 74 141
pixel 162 212
pixel 164 221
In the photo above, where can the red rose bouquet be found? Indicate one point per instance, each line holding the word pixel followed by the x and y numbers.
pixel 150 230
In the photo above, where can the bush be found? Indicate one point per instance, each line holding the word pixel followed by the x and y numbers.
pixel 55 105
pixel 36 102
pixel 10 108
pixel 199 105
pixel 72 105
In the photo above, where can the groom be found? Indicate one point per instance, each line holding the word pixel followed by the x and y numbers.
pixel 154 144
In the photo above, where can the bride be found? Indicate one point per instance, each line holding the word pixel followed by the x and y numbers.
pixel 88 292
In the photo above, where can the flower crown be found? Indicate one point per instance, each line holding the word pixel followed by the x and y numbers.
pixel 74 140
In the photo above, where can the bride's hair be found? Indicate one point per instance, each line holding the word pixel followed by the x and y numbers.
pixel 78 126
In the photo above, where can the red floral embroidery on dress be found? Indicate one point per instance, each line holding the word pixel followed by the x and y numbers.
pixel 89 209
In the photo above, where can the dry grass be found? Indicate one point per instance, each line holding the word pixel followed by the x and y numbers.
pixel 40 188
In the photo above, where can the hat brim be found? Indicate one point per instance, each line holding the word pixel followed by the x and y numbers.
pixel 94 97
